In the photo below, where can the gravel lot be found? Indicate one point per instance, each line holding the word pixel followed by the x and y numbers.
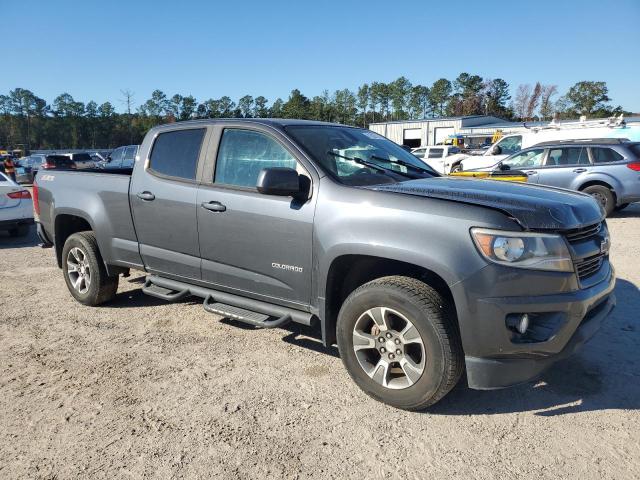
pixel 140 388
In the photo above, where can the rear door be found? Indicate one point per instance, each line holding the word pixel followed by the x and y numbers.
pixel 257 245
pixel 565 167
pixel 163 201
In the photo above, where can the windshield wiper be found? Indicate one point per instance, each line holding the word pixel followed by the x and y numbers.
pixel 363 162
pixel 371 165
pixel 404 164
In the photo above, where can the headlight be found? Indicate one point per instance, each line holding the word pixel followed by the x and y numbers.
pixel 537 251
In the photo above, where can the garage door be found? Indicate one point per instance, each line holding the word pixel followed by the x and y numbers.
pixel 440 134
pixel 412 137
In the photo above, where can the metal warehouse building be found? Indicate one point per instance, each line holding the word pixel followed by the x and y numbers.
pixel 431 131
pixel 477 128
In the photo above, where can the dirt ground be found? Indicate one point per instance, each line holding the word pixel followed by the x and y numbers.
pixel 140 388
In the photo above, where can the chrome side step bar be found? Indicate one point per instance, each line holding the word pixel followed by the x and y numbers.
pixel 247 310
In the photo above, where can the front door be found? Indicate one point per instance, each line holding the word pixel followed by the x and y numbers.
pixel 528 161
pixel 163 202
pixel 250 243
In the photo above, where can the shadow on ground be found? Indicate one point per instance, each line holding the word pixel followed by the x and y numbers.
pixel 604 375
pixel 31 240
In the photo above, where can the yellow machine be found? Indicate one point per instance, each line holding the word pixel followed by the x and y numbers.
pixel 504 175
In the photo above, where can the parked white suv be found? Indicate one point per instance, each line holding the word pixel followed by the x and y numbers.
pixel 16 208
pixel 442 158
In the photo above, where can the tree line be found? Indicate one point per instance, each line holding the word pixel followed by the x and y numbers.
pixel 28 121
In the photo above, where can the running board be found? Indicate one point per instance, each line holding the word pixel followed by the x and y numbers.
pixel 168 294
pixel 245 316
pixel 259 313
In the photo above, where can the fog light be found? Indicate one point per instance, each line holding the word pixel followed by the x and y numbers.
pixel 518 322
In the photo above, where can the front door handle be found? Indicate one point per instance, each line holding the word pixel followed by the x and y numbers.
pixel 146 196
pixel 531 172
pixel 579 170
pixel 214 206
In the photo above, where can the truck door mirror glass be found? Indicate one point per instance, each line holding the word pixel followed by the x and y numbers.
pixel 281 181
pixel 496 150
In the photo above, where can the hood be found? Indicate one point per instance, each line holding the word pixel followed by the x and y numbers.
pixel 532 206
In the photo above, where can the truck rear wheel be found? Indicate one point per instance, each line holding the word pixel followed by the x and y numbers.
pixel 84 270
pixel 398 341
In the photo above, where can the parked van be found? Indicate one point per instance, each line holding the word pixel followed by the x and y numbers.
pixel 510 144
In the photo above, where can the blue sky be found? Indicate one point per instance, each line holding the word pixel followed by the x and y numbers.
pixel 94 49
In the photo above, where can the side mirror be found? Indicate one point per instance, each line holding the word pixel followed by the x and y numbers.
pixel 496 150
pixel 281 181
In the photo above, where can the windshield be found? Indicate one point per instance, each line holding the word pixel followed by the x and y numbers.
pixel 357 157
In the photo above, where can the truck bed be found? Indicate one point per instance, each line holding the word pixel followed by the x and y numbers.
pixel 99 197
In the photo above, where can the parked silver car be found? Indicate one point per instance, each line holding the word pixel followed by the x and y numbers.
pixel 608 169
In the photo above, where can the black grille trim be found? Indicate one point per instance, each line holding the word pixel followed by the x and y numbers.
pixel 580 234
pixel 590 265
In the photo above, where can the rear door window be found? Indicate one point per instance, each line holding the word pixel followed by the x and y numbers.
pixel 605 155
pixel 568 156
pixel 435 153
pixel 176 153
pixel 244 153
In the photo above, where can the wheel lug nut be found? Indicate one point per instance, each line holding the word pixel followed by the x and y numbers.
pixel 389 335
pixel 391 356
pixel 382 349
pixel 397 341
pixel 381 339
pixel 398 352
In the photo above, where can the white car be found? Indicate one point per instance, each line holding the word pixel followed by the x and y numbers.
pixel 442 158
pixel 16 208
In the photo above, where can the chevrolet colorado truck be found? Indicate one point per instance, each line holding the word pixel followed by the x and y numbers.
pixel 415 276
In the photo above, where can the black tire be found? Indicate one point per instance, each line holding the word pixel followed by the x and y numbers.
pixel 603 195
pixel 19 231
pixel 622 206
pixel 431 315
pixel 102 287
pixel 456 168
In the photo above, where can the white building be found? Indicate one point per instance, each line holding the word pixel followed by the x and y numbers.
pixel 475 128
pixel 430 131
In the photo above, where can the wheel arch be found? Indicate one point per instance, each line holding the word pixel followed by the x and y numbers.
pixel 349 271
pixel 67 223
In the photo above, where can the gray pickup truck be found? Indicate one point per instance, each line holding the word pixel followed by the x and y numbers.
pixel 415 276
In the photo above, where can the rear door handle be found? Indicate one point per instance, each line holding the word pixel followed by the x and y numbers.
pixel 214 206
pixel 579 170
pixel 146 196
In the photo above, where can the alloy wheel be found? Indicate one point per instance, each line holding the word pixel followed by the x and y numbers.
pixel 389 348
pixel 78 270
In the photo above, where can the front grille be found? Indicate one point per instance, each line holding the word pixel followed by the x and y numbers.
pixel 590 265
pixel 580 234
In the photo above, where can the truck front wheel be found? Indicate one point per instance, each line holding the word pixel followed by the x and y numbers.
pixel 398 341
pixel 84 270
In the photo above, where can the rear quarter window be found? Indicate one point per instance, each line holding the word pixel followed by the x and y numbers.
pixel 605 155
pixel 176 153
